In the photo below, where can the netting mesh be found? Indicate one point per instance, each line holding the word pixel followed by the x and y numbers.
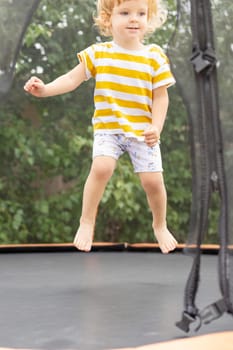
pixel 180 52
pixel 18 13
pixel 224 50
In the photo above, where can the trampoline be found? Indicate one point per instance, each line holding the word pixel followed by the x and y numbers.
pixel 96 301
pixel 121 296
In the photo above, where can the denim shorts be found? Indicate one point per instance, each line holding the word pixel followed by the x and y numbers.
pixel 143 157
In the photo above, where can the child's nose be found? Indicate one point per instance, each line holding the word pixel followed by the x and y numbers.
pixel 133 17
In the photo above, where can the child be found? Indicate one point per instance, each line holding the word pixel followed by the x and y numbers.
pixel 131 103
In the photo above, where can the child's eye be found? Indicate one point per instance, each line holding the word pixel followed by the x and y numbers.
pixel 124 13
pixel 142 13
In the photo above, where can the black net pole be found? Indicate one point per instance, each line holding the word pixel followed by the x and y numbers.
pixel 211 171
pixel 199 211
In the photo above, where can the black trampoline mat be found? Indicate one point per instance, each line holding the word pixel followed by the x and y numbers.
pixel 99 300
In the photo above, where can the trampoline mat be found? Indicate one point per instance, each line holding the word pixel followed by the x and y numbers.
pixel 98 300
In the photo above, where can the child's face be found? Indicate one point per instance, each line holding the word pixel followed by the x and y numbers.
pixel 129 21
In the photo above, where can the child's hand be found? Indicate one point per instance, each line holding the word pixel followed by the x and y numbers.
pixel 35 87
pixel 152 136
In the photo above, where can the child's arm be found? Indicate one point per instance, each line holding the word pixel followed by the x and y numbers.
pixel 159 111
pixel 64 83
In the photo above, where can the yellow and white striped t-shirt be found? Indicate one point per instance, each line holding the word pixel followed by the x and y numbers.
pixel 124 83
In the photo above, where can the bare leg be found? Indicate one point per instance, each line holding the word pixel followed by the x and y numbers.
pixel 153 185
pixel 101 171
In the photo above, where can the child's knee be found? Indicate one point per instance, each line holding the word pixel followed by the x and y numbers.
pixel 152 182
pixel 103 168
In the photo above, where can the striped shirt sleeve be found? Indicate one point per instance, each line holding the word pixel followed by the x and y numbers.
pixel 88 57
pixel 162 75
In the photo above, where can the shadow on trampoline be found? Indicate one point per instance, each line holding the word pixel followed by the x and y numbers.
pixel 100 300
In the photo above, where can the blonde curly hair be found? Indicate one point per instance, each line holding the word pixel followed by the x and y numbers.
pixel 157 15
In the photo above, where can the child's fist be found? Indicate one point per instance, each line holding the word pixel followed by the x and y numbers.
pixel 35 87
pixel 152 136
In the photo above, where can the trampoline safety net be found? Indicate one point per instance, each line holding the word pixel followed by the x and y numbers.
pixel 201 53
pixel 15 15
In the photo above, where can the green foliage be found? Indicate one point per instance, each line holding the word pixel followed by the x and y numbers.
pixel 45 144
pixel 38 175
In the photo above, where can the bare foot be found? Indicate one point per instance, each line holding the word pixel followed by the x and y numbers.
pixel 84 237
pixel 166 240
